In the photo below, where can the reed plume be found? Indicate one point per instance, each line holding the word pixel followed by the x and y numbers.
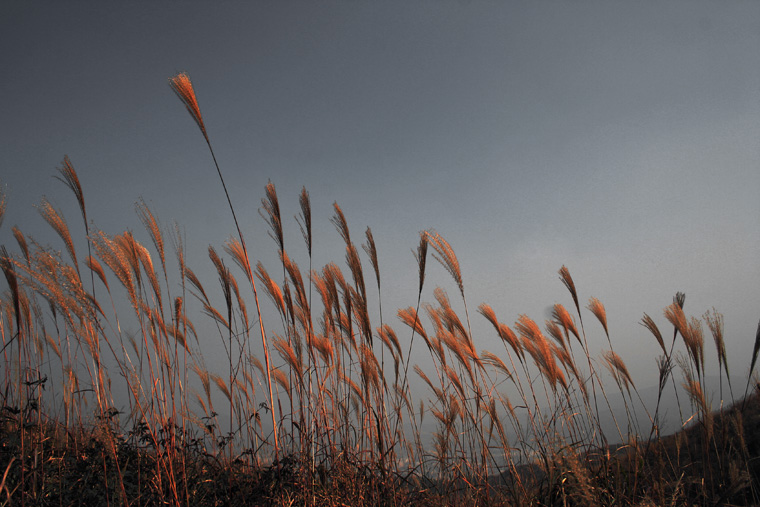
pixel 304 220
pixel 58 223
pixel 410 317
pixel 496 362
pixel 153 228
pixel 505 333
pixel 649 323
pixel 69 178
pixel 94 266
pixel 21 240
pixel 446 256
pixel 271 216
pixel 388 335
pixel 691 332
pixel 219 381
pixel 183 88
pixel 715 323
pixel 113 256
pixel 555 331
pixel 196 283
pixel 371 249
pixel 288 354
pixel 272 289
pixel 339 221
pixel 567 280
pixel 597 308
pixel 421 257
pixel 537 346
pixel 676 316
pixel 697 395
pixel 618 370
pixel 562 316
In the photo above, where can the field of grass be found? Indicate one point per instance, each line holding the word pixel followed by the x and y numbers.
pixel 315 405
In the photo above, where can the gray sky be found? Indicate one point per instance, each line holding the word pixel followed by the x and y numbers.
pixel 621 139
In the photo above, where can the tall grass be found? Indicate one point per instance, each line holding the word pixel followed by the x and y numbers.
pixel 330 416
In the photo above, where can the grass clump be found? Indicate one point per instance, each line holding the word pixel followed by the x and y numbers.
pixel 93 414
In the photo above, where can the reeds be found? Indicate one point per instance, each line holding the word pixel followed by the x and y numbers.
pixel 325 419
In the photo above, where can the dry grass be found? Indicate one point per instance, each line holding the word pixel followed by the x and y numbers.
pixel 94 414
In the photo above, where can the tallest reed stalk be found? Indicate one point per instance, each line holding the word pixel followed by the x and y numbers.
pixel 183 87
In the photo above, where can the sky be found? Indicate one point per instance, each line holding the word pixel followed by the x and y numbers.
pixel 620 139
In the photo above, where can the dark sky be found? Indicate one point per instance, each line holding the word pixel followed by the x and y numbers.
pixel 620 139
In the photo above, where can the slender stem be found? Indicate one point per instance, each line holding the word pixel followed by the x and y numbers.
pixel 249 274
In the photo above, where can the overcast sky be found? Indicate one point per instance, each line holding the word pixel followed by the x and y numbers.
pixel 621 139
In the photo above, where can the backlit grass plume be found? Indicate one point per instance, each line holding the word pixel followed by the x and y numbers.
pixel 183 87
pixel 446 256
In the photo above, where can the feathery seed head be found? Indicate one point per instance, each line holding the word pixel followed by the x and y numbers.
pixel 21 240
pixel 674 313
pixel 237 251
pixel 325 348
pixel 339 220
pixel 371 251
pixel 698 342
pixel 183 87
pixel 648 323
pixel 272 216
pixel 391 340
pixel 715 323
pixel 489 314
pixel 282 379
pixel 618 369
pixel 597 308
pixel 505 333
pixel 562 316
pixel 409 317
pixel 421 257
pixel 288 354
pixel 272 289
pixel 679 299
pixel 58 223
pixel 221 385
pixel 691 333
pixel 70 179
pixel 564 275
pixel 528 328
pixel 151 224
pixel 496 362
pixel 446 256
pixel 304 221
pixel 555 331
pixel 96 268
